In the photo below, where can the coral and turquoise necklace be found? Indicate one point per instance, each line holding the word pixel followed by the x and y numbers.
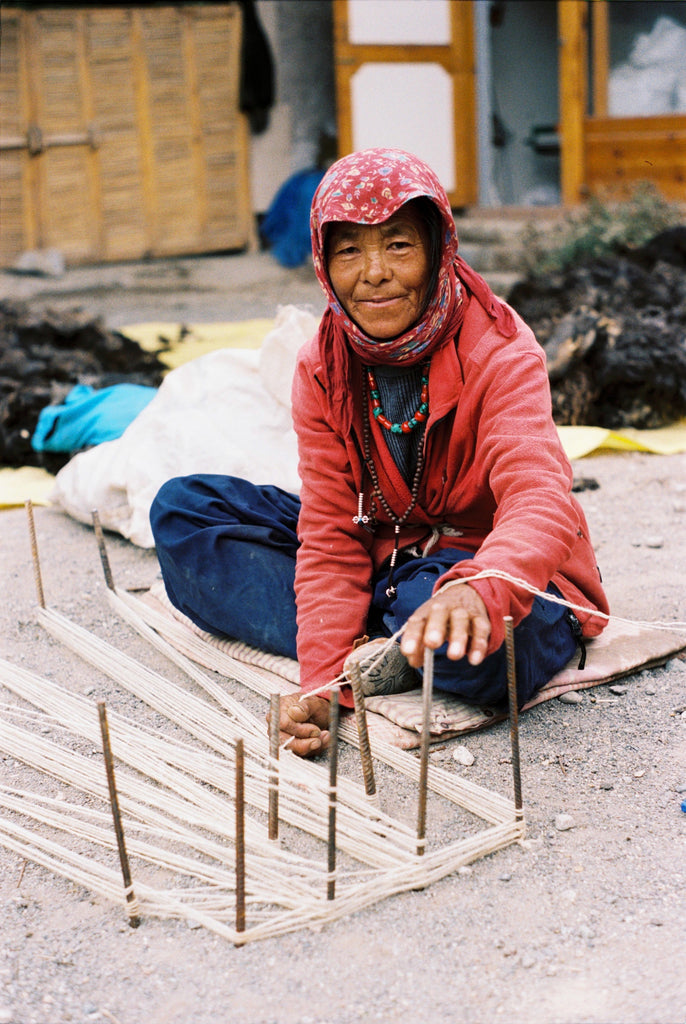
pixel 407 426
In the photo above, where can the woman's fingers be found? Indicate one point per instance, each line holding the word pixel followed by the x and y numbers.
pixel 303 721
pixel 458 617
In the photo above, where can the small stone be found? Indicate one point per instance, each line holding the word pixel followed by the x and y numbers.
pixel 563 822
pixel 571 697
pixel 89 690
pixel 527 961
pixel 656 922
pixel 531 844
pixel 650 691
pixel 618 689
pixel 640 773
pixel 654 542
pixel 463 756
pixel 464 870
pixel 505 877
pixel 606 785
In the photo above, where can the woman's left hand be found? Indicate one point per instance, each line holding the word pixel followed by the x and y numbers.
pixel 457 615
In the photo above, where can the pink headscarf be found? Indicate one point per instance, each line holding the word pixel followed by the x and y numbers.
pixel 367 188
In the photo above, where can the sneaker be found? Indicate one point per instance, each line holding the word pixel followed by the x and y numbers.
pixel 383 672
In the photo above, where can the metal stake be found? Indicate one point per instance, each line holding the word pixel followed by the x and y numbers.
pixel 362 733
pixel 427 694
pixel 274 715
pixel 333 782
pixel 28 505
pixel 134 919
pixel 240 838
pixel 514 715
pixel 104 557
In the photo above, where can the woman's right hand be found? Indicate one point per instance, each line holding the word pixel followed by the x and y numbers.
pixel 304 720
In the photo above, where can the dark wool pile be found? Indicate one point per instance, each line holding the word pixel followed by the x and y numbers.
pixel 614 333
pixel 42 355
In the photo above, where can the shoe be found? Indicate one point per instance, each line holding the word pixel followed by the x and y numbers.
pixel 383 671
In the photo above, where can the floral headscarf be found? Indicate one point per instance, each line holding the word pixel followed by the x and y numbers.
pixel 368 187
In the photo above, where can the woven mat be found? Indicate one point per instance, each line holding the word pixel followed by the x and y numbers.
pixel 622 649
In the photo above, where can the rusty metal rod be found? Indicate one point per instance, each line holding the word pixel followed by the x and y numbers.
pixel 274 715
pixel 134 919
pixel 362 733
pixel 514 715
pixel 28 505
pixel 427 695
pixel 240 837
pixel 104 557
pixel 333 783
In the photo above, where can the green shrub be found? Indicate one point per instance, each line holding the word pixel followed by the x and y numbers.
pixel 603 226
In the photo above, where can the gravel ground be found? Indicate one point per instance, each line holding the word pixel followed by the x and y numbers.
pixel 583 924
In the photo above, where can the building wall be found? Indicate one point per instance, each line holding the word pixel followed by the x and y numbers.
pixel 300 34
pixel 523 94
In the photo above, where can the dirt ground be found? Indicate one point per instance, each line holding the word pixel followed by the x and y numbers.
pixel 578 925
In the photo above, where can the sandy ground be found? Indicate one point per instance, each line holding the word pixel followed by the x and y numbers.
pixel 581 925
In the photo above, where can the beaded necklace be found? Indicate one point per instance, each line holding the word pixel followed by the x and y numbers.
pixel 369 385
pixel 407 426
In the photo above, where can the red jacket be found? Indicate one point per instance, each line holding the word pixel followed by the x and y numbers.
pixel 494 470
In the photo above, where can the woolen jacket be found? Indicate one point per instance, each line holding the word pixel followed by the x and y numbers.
pixel 494 472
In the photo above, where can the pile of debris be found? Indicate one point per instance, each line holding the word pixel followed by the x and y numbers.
pixel 43 354
pixel 614 333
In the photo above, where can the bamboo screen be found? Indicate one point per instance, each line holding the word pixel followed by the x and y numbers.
pixel 121 134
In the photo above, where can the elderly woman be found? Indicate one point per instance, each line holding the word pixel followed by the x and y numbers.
pixel 428 457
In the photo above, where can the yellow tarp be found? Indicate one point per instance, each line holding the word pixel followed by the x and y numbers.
pixel 18 485
pixel 580 441
pixel 198 339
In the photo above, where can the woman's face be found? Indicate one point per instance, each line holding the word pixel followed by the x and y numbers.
pixel 380 272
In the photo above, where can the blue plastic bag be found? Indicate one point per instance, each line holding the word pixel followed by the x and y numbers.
pixel 286 225
pixel 89 417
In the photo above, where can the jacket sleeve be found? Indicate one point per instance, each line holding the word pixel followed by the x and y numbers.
pixel 539 531
pixel 334 567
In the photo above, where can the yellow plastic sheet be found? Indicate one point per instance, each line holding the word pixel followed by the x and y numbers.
pixel 28 482
pixel 197 339
pixel 580 441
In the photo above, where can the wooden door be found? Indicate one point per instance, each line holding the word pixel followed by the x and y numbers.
pixel 121 135
pixel 405 77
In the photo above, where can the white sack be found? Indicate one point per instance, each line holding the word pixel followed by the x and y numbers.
pixel 653 80
pixel 225 412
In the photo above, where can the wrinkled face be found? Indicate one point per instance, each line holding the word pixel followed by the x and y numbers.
pixel 380 272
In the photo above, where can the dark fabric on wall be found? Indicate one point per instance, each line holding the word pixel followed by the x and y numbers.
pixel 257 70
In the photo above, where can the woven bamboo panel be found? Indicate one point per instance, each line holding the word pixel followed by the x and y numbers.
pixel 142 149
pixel 12 126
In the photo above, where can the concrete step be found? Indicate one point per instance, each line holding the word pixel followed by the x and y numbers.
pixel 501 281
pixel 497 243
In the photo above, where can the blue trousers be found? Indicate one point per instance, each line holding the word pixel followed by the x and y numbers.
pixel 227 552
